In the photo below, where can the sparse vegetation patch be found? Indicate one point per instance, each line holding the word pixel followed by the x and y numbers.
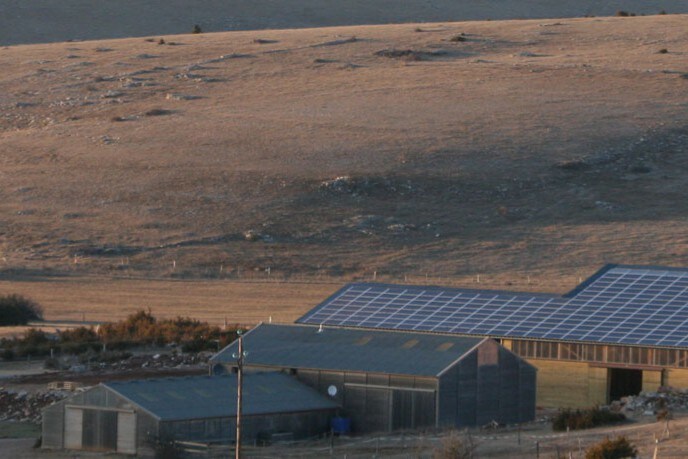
pixel 18 310
pixel 619 448
pixel 568 419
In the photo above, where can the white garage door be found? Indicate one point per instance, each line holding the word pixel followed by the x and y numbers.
pixel 126 432
pixel 74 420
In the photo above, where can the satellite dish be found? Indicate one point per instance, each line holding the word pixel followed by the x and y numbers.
pixel 332 390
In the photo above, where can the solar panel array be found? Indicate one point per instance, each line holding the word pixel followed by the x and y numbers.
pixel 619 305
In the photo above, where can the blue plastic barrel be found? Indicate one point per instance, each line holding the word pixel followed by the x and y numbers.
pixel 341 425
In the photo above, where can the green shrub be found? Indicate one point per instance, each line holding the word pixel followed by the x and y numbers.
pixel 7 354
pixel 166 447
pixel 618 448
pixel 18 310
pixel 584 419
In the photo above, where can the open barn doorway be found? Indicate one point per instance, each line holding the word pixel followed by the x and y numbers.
pixel 623 382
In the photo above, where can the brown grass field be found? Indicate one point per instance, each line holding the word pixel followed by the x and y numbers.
pixel 102 300
pixel 75 301
pixel 431 153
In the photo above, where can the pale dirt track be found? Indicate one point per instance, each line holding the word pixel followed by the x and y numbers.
pixel 503 444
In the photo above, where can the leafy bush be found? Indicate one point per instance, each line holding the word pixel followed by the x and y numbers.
pixel 455 447
pixel 584 419
pixel 140 328
pixel 18 310
pixel 618 448
pixel 7 354
pixel 166 447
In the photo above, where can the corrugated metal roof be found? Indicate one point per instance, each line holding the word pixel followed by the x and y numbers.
pixel 197 397
pixel 299 346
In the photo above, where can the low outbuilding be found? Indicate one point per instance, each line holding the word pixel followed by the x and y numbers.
pixel 128 416
pixel 389 380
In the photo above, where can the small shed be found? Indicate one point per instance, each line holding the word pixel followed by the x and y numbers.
pixel 125 416
pixel 388 380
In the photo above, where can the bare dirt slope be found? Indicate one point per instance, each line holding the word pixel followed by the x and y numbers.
pixel 541 146
pixel 38 21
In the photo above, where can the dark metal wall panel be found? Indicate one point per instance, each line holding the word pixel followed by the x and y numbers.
pixel 401 381
pixel 146 428
pixel 355 407
pixel 301 425
pixel 424 409
pixel 467 391
pixel 356 378
pixel 378 410
pixel 448 397
pixel 310 378
pixel 488 394
pixel 402 410
pixel 378 379
pixel 509 387
pixel 425 383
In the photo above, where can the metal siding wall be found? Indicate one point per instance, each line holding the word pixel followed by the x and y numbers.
pixel 308 377
pixel 509 390
pixel 402 410
pixel 487 403
pixel 378 410
pixel 449 392
pixel 355 407
pixel 52 429
pixel 424 409
pixel 301 425
pixel 466 414
pixel 146 429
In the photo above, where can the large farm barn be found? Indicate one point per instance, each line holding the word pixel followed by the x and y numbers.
pixel 623 330
pixel 386 381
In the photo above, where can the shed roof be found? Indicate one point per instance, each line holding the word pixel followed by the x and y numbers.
pixel 620 304
pixel 376 351
pixel 195 397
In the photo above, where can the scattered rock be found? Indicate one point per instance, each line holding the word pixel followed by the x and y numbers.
pixel 368 186
pixel 337 42
pixel 173 96
pixel 158 112
pixel 409 54
pixel 26 407
pixel 573 165
pixel 112 94
pixel 255 235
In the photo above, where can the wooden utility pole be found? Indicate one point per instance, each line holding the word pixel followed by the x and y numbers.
pixel 240 364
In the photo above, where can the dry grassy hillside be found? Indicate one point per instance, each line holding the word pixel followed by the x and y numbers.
pixel 39 21
pixel 543 146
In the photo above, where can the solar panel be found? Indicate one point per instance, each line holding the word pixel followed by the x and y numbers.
pixel 618 305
